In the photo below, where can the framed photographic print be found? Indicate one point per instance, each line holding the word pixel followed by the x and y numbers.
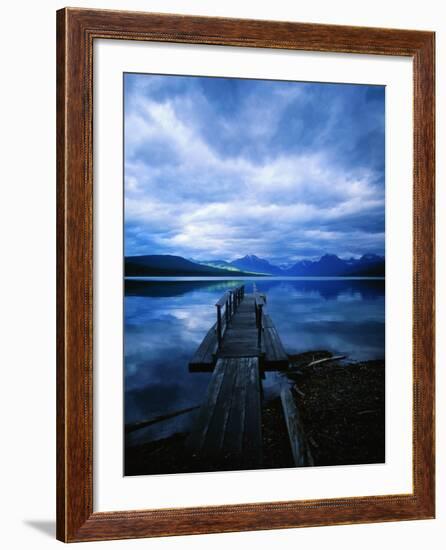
pixel 245 275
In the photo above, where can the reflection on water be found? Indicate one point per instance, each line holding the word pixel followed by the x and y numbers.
pixel 165 321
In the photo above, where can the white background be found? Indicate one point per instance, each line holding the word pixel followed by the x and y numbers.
pixel 28 246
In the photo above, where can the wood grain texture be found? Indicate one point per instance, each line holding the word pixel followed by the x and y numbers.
pixel 299 447
pixel 203 358
pixel 76 31
pixel 227 430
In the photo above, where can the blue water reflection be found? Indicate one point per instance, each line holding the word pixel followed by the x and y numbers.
pixel 165 321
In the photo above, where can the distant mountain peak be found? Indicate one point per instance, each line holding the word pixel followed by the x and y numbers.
pixel 253 263
pixel 329 257
pixel 250 257
pixel 330 265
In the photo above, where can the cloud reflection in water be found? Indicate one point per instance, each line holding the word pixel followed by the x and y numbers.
pixel 166 321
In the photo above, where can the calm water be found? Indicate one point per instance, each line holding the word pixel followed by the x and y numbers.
pixel 166 319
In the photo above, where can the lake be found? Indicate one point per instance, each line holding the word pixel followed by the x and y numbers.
pixel 167 318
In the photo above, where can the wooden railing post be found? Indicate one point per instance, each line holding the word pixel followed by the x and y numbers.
pixel 227 309
pixel 219 327
pixel 259 325
pixel 230 301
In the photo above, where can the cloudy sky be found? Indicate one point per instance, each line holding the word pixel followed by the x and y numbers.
pixel 216 168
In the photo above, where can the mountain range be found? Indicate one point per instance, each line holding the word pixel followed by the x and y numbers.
pixel 329 265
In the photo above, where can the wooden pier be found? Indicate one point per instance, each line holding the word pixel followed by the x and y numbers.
pixel 242 329
pixel 241 344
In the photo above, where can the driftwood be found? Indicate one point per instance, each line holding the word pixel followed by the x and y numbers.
pixel 299 447
pixel 300 392
pixel 325 360
pixel 143 423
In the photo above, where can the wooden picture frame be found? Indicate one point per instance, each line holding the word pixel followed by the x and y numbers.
pixel 76 31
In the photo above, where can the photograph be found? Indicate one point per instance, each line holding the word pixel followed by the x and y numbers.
pixel 220 230
pixel 254 274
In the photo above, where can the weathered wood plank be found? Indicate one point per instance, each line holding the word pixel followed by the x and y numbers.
pixel 299 447
pixel 240 343
pixel 275 354
pixel 211 445
pixel 241 336
pixel 233 437
pixel 204 414
pixel 204 356
pixel 228 426
pixel 252 457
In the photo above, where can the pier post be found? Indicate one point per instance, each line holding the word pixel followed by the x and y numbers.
pixel 219 327
pixel 259 325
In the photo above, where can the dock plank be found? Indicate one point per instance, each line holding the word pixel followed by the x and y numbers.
pixel 240 343
pixel 240 339
pixel 276 357
pixel 204 357
pixel 253 422
pixel 233 439
pixel 211 444
pixel 204 417
pixel 228 426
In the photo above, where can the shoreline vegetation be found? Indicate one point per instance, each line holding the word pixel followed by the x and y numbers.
pixel 341 405
pixel 176 266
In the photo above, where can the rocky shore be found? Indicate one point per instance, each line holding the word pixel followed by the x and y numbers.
pixel 342 405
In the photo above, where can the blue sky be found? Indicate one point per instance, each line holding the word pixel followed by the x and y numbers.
pixel 216 168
